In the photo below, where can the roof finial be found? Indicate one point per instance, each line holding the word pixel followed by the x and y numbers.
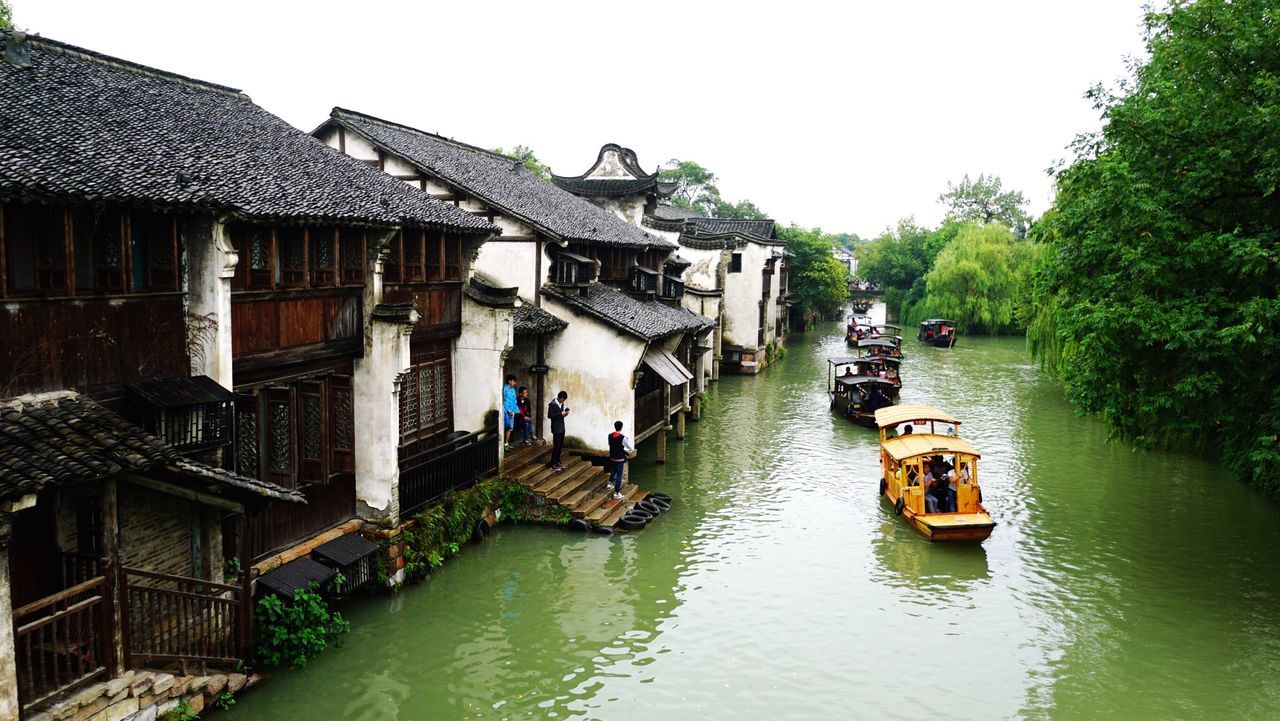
pixel 16 49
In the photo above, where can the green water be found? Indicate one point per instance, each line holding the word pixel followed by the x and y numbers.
pixel 1118 585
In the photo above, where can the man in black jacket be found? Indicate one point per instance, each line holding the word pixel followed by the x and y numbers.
pixel 556 411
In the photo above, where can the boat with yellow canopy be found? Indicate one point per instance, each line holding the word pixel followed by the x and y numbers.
pixel 930 474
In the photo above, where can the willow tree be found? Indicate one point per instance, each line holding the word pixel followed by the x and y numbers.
pixel 1158 302
pixel 979 280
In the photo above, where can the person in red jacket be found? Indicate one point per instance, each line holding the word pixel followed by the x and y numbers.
pixel 619 450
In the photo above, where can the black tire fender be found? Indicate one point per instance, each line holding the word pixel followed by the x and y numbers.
pixel 632 522
pixel 979 494
pixel 659 496
pixel 604 530
pixel 649 507
pixel 884 486
pixel 639 512
pixel 481 531
pixel 898 505
pixel 578 525
pixel 663 506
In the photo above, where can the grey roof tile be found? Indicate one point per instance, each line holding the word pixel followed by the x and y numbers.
pixel 645 319
pixel 77 124
pixel 501 182
pixel 532 320
pixel 59 438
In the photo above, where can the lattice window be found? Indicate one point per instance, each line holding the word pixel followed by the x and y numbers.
pixel 312 428
pixel 247 439
pixel 342 419
pixel 281 442
pixel 409 404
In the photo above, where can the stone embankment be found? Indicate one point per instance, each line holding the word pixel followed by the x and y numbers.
pixel 144 696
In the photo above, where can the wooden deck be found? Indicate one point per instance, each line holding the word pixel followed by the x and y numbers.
pixel 581 487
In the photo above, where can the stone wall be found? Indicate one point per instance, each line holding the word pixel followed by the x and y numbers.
pixel 143 696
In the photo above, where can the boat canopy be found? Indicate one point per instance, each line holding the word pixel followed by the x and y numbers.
pixel 894 326
pixel 843 360
pixel 923 444
pixel 937 321
pixel 862 381
pixel 911 412
pixel 874 358
pixel 876 342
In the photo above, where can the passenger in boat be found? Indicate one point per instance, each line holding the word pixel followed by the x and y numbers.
pixel 890 373
pixel 874 399
pixel 848 372
pixel 906 430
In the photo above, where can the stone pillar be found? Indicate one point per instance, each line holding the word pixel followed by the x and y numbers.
pixel 680 425
pixel 377 413
pixel 717 350
pixel 661 439
pixel 211 263
pixel 376 387
pixel 8 651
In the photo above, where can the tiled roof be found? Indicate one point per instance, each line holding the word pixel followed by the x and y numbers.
pixel 499 181
pixel 485 291
pixel 671 212
pixel 620 159
pixel 58 438
pixel 75 124
pixel 645 319
pixel 532 320
pixel 763 229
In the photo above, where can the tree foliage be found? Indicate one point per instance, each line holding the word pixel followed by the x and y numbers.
pixel 1157 300
pixel 900 256
pixel 696 190
pixel 526 156
pixel 821 281
pixel 6 15
pixel 985 201
pixel 979 280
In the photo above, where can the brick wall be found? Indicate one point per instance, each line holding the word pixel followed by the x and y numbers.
pixel 156 531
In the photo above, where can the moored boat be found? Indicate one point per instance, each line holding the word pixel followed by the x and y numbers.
pixel 930 475
pixel 857 396
pixel 938 332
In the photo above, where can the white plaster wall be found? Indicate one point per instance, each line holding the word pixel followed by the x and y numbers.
pixel 671 235
pixel 396 166
pixel 593 363
pixel 510 226
pixel 742 297
pixel 477 363
pixel 358 147
pixel 629 208
pixel 511 264
pixel 610 167
pixel 210 263
pixel 703 274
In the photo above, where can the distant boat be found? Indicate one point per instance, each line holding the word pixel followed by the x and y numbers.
pixel 938 332
pixel 930 475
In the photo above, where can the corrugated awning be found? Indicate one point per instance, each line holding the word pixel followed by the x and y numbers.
pixel 666 365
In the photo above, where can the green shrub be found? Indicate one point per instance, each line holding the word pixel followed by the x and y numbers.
pixel 296 631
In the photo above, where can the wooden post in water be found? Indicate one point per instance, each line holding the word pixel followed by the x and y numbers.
pixel 680 425
pixel 661 439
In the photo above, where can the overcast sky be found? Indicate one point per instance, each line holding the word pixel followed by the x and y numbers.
pixel 843 115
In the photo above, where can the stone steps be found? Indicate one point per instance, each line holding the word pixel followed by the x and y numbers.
pixel 609 513
pixel 582 477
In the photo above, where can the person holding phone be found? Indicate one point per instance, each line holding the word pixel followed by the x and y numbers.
pixel 556 412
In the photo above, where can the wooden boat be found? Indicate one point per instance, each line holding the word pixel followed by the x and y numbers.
pixel 880 366
pixel 862 306
pixel 852 395
pixel 884 345
pixel 938 332
pixel 917 440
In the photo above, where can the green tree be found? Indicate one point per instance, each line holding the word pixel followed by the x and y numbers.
pixel 695 186
pixel 1157 299
pixel 985 201
pixel 980 280
pixel 525 155
pixel 821 281
pixel 6 15
pixel 741 209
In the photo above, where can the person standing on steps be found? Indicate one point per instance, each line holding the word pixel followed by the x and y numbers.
pixel 619 451
pixel 556 411
pixel 510 410
pixel 525 419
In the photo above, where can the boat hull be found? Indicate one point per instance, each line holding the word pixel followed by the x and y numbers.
pixel 938 342
pixel 948 527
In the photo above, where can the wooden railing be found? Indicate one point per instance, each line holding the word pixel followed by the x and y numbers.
pixel 79 567
pixel 172 618
pixel 450 466
pixel 62 640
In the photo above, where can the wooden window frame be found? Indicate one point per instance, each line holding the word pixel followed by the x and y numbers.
pixel 322 277
pixel 352 273
pixel 290 276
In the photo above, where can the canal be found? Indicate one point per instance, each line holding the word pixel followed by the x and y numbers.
pixel 1118 584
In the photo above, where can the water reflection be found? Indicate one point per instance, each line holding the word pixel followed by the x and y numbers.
pixel 907 561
